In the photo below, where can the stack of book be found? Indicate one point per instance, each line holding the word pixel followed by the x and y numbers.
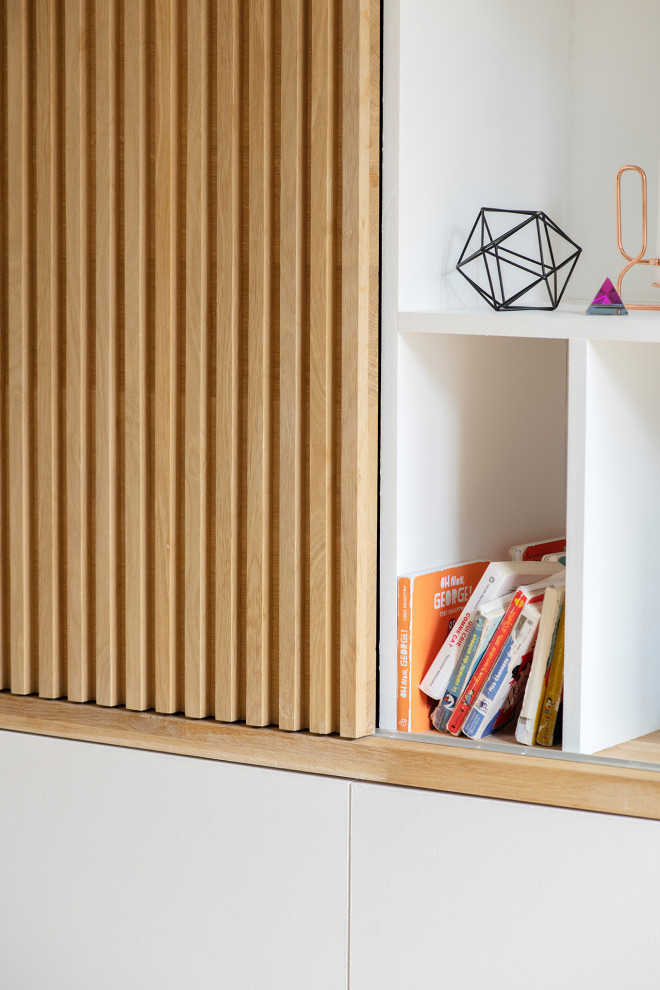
pixel 500 653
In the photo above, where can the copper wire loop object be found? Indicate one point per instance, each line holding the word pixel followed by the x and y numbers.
pixel 639 259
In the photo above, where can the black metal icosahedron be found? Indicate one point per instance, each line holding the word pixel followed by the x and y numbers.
pixel 505 266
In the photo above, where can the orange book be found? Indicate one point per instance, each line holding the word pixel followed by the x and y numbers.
pixel 429 604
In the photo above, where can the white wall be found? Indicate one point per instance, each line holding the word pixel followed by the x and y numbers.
pixel 124 869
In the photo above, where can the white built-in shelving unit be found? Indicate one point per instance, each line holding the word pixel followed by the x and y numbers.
pixel 498 428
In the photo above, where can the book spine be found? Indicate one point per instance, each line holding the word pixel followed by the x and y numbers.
pixel 404 625
pixel 480 675
pixel 552 696
pixel 462 672
pixel 481 709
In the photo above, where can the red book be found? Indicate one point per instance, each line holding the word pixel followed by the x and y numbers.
pixel 478 679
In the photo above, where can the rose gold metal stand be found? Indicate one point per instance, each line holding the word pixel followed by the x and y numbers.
pixel 638 259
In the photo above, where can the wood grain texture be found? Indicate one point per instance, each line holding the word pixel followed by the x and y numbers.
pixel 48 342
pixel 323 328
pixel 136 468
pixel 78 273
pixel 358 507
pixel 228 432
pixel 185 233
pixel 197 666
pixel 292 326
pixel 20 303
pixel 166 413
pixel 459 769
pixel 258 617
pixel 108 688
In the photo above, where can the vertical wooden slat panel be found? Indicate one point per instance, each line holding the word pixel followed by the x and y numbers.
pixel 197 370
pixel 48 343
pixel 259 367
pixel 166 352
pixel 139 680
pixel 107 330
pixel 77 384
pixel 322 328
pixel 228 324
pixel 358 507
pixel 218 396
pixel 20 306
pixel 292 248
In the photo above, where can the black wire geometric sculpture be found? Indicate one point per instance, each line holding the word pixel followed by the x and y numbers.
pixel 506 265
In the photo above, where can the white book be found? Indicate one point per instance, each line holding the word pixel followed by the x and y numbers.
pixel 491 698
pixel 500 578
pixel 526 727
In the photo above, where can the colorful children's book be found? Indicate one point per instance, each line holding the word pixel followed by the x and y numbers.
pixel 428 606
pixel 486 621
pixel 504 677
pixel 525 593
pixel 553 690
pixel 501 578
pixel 537 551
pixel 530 713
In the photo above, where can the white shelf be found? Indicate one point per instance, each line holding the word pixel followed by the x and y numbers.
pixel 568 322
pixel 498 428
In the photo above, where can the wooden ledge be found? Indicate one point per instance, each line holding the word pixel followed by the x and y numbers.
pixel 558 782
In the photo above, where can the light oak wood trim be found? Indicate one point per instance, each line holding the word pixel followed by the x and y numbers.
pixel 358 507
pixel 197 668
pixel 108 688
pixel 455 769
pixel 292 261
pixel 322 391
pixel 78 272
pixel 20 192
pixel 166 28
pixel 48 342
pixel 139 671
pixel 259 461
pixel 227 445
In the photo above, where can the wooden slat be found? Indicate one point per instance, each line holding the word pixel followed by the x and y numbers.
pixel 358 507
pixel 258 616
pixel 321 399
pixel 77 348
pixel 48 343
pixel 108 690
pixel 292 260
pixel 139 672
pixel 20 307
pixel 166 412
pixel 197 699
pixel 228 325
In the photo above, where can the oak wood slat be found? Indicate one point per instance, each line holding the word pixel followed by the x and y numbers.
pixel 292 261
pixel 197 668
pixel 77 244
pixel 166 411
pixel 228 328
pixel 108 689
pixel 20 309
pixel 258 617
pixel 322 331
pixel 48 342
pixel 358 506
pixel 139 669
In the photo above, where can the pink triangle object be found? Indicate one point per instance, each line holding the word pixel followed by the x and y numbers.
pixel 607 295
